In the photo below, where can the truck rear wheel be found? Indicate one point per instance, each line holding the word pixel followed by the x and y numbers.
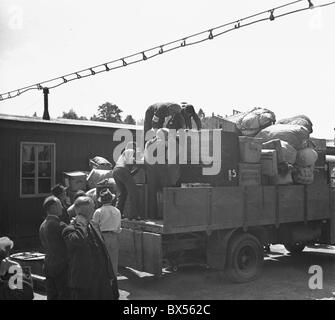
pixel 244 258
pixel 295 248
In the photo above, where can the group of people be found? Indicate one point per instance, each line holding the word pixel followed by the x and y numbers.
pixel 81 246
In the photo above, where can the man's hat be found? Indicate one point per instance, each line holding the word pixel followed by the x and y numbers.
pixel 106 196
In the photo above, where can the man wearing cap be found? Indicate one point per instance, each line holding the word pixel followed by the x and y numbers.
pixel 157 113
pixel 109 220
pixel 70 211
pixel 91 275
pixel 56 262
pixel 59 191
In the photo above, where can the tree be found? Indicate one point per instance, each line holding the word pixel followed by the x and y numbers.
pixel 35 115
pixel 201 114
pixel 129 119
pixel 71 114
pixel 108 112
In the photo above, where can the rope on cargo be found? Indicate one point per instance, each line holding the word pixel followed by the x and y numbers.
pixel 166 47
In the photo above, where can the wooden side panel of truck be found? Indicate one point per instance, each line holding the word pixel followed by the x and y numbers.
pixel 208 217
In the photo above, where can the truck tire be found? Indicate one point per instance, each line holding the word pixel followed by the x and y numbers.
pixel 244 258
pixel 295 248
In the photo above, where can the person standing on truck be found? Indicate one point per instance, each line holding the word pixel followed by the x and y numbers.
pixel 55 263
pixel 157 114
pixel 188 112
pixel 123 173
pixel 109 220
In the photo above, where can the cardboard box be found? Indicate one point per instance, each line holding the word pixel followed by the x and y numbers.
pixel 250 149
pixel 250 174
pixel 269 163
pixel 274 145
pixel 75 180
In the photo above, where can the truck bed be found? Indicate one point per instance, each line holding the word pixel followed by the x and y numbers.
pixel 214 208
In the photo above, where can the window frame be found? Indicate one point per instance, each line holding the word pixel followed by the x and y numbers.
pixel 53 168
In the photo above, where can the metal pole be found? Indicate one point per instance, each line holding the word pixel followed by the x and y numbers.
pixel 46 115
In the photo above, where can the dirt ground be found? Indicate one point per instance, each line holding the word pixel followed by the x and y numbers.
pixel 283 277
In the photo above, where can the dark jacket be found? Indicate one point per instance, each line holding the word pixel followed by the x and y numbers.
pixel 90 267
pixel 188 113
pixel 56 260
pixel 156 114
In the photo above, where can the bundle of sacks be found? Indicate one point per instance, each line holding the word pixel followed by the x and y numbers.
pixel 101 169
pixel 251 122
pixel 297 157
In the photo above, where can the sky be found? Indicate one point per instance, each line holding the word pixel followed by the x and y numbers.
pixel 286 65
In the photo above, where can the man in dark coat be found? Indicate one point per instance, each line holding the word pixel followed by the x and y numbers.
pixel 188 112
pixel 157 113
pixel 91 274
pixel 56 263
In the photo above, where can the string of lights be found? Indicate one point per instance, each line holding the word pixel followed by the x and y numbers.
pixel 210 34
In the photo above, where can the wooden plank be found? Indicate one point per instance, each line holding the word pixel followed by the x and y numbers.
pixel 130 253
pixel 291 203
pixel 261 205
pixel 155 226
pixel 318 197
pixel 152 253
pixel 227 207
pixel 185 207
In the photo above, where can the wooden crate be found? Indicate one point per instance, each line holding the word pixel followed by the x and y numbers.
pixel 141 251
pixel 250 174
pixel 75 180
pixel 269 163
pixel 228 145
pixel 250 149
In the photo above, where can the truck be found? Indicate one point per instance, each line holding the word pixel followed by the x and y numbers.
pixel 228 228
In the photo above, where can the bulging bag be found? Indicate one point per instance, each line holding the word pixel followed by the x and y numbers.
pixel 297 136
pixel 300 120
pixel 253 121
pixel 100 163
pixel 306 157
pixel 97 175
pixel 303 175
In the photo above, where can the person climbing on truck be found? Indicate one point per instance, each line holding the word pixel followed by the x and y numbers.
pixel 188 112
pixel 157 114
pixel 123 172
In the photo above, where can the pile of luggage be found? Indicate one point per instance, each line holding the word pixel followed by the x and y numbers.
pixel 284 148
